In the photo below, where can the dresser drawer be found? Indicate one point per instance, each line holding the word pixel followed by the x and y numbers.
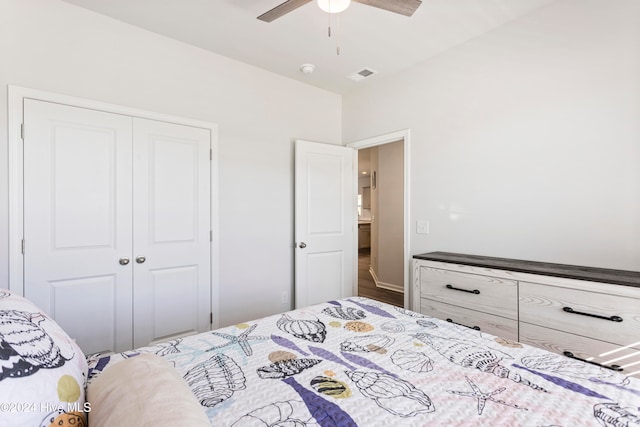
pixel 477 292
pixel 496 325
pixel 584 348
pixel 551 307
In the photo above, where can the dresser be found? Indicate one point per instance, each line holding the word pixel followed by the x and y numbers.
pixel 586 313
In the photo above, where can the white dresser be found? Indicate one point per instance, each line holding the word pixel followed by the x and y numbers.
pixel 586 313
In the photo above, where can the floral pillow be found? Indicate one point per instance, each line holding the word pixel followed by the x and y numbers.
pixel 42 370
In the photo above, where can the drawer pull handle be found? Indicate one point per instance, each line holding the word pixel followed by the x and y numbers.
pixel 477 328
pixel 612 318
pixel 616 368
pixel 475 291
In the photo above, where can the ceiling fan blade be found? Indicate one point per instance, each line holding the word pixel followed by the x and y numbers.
pixel 403 7
pixel 282 9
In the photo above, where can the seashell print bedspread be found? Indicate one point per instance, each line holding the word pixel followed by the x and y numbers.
pixel 358 362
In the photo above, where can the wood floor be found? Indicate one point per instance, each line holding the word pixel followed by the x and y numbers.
pixel 367 287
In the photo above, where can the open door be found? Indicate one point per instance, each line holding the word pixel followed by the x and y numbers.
pixel 325 218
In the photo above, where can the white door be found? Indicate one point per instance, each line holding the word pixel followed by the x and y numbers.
pixel 116 225
pixel 325 218
pixel 77 221
pixel 171 223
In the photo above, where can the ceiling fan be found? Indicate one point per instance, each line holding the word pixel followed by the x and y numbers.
pixel 403 7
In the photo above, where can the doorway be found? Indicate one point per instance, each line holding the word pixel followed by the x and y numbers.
pixel 383 240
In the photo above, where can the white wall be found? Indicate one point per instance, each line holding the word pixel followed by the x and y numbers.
pixel 53 46
pixel 525 142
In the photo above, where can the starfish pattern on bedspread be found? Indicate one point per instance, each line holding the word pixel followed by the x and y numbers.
pixel 242 340
pixel 483 397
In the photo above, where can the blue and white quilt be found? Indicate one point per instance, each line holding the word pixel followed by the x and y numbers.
pixel 358 362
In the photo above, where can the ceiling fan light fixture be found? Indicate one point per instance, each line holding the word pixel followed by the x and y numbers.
pixel 334 6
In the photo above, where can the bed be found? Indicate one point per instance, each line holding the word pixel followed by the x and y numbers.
pixel 359 362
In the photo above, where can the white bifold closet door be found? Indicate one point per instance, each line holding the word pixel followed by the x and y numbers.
pixel 116 225
pixel 171 223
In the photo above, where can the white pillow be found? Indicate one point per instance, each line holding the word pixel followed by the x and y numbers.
pixel 43 372
pixel 143 391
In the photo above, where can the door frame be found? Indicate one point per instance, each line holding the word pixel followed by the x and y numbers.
pixel 387 138
pixel 16 96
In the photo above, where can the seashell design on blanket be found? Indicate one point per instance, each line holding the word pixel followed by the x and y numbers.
pixel 25 347
pixel 60 417
pixel 568 367
pixel 215 380
pixel 286 368
pixel 306 329
pixel 357 326
pixel 410 313
pixel 469 355
pixel 331 387
pixel 393 327
pixel 346 313
pixel 292 413
pixel 280 355
pixel 612 415
pixel 426 324
pixel 368 343
pixel 394 395
pixel 413 361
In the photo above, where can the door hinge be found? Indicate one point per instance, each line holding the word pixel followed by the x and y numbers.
pixel 22 246
pixel 211 235
pixel 211 318
pixel 210 154
pixel 22 131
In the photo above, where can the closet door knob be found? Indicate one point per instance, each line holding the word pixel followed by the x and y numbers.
pixel 124 260
pixel 140 259
pixel 302 245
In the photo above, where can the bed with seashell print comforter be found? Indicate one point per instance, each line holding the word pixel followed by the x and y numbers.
pixel 358 362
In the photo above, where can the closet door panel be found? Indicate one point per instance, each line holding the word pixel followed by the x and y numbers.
pixel 77 221
pixel 171 211
pixel 173 185
pixel 92 321
pixel 173 311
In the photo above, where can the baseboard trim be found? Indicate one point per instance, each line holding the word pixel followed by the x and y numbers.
pixel 383 285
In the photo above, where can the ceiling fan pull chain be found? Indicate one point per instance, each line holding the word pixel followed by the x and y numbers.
pixel 329 29
pixel 337 34
pixel 337 28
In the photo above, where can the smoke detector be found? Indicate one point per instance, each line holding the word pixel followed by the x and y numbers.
pixel 362 74
pixel 307 68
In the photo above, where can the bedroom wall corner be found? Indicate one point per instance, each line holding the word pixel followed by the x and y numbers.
pixel 525 139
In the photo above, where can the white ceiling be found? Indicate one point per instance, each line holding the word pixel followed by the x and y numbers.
pixel 368 37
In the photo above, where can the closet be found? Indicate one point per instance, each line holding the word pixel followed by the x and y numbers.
pixel 117 224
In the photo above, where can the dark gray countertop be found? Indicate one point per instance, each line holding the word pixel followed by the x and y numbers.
pixel 604 275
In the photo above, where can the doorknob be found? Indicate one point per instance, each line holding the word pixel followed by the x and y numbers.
pixel 140 259
pixel 302 245
pixel 124 260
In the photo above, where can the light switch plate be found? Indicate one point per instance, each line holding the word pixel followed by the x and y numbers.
pixel 422 226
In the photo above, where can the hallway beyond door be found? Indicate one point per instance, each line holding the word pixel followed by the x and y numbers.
pixel 367 287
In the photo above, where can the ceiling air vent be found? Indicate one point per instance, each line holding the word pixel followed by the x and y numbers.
pixel 362 74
